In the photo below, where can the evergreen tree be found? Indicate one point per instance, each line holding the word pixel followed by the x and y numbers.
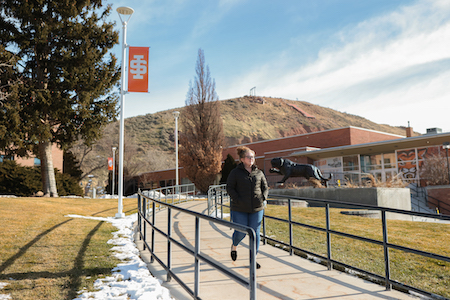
pixel 66 77
pixel 202 136
pixel 228 165
pixel 25 181
pixel 71 166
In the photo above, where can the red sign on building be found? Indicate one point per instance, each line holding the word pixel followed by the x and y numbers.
pixel 138 69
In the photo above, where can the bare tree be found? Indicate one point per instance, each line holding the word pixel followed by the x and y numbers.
pixel 202 129
pixel 434 170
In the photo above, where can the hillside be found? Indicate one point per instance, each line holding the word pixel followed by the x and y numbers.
pixel 149 139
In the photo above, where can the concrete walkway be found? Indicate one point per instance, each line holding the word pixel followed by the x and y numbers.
pixel 281 276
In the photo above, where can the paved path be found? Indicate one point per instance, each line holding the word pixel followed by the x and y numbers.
pixel 281 276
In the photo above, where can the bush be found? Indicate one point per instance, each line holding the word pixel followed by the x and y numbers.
pixel 435 170
pixel 26 181
pixel 17 180
pixel 67 185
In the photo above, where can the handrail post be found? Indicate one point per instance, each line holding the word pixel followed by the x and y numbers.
pixel 215 201
pixel 291 233
pixel 264 229
pixel 139 217
pixel 327 214
pixel 386 250
pixel 221 204
pixel 169 244
pixel 252 279
pixel 153 231
pixel 197 261
pixel 145 216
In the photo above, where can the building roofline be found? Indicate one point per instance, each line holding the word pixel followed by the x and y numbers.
pixel 378 147
pixel 315 132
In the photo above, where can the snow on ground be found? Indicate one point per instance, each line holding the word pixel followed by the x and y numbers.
pixel 131 278
pixel 4 296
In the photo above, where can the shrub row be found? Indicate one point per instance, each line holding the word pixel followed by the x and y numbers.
pixel 26 181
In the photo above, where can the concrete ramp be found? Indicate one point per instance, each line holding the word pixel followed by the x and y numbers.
pixel 281 276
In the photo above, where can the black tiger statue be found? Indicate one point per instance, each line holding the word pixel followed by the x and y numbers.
pixel 289 168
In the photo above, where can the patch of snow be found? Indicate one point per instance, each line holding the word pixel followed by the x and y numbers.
pixel 131 279
pixel 4 296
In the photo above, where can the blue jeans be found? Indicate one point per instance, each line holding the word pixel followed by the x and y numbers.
pixel 252 220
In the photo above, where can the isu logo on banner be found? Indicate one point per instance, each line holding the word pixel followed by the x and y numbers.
pixel 138 69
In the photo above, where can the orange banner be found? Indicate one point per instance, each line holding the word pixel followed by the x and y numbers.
pixel 110 164
pixel 138 69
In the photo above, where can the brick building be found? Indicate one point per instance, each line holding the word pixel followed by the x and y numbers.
pixel 32 160
pixel 347 152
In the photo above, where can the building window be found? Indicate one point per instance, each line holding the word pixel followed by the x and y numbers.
pixel 389 161
pixel 371 163
pixel 350 163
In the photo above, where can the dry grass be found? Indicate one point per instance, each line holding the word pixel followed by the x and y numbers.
pixel 371 181
pixel 45 255
pixel 425 273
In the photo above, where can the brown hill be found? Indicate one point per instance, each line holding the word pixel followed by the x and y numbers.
pixel 149 139
pixel 249 119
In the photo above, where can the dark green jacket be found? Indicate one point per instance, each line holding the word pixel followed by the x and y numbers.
pixel 248 191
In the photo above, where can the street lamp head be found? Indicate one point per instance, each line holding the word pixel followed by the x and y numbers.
pixel 114 149
pixel 446 145
pixel 124 10
pixel 176 114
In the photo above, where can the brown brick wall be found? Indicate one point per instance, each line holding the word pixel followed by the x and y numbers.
pixel 321 139
pixel 57 159
pixel 441 193
pixel 368 136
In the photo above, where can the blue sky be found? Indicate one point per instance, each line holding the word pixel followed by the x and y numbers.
pixel 385 60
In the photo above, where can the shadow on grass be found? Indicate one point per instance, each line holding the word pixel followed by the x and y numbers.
pixel 78 270
pixel 25 248
pixel 75 274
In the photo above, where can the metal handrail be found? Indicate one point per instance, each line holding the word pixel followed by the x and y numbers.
pixel 143 220
pixel 440 205
pixel 329 232
pixel 386 245
pixel 217 195
pixel 173 194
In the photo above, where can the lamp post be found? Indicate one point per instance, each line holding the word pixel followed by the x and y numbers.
pixel 113 170
pixel 126 12
pixel 176 114
pixel 446 146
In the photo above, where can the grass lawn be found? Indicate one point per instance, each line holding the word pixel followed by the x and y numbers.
pixel 424 273
pixel 45 255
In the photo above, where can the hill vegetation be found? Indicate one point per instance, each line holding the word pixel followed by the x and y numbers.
pixel 149 139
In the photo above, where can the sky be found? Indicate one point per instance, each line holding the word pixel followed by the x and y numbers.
pixel 384 60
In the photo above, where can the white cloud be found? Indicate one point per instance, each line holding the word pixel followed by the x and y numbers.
pixel 211 15
pixel 382 61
